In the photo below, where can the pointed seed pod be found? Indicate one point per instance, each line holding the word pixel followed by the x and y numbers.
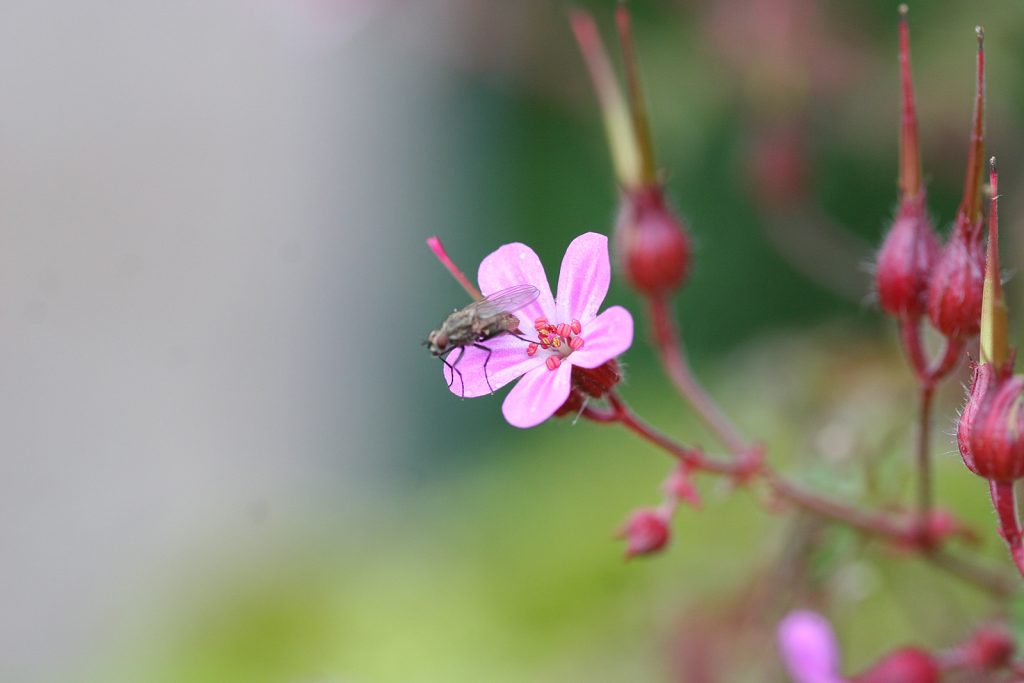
pixel 956 284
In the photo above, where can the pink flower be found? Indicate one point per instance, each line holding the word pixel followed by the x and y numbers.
pixel 568 331
pixel 809 649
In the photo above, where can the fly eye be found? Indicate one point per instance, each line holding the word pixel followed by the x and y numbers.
pixel 441 341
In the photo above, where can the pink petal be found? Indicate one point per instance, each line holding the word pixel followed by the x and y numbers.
pixel 508 361
pixel 808 647
pixel 537 396
pixel 605 337
pixel 517 264
pixel 584 278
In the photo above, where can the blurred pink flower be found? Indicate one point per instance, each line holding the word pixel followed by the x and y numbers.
pixel 808 648
pixel 569 330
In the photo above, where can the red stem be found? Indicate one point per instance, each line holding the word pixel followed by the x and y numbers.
pixel 690 457
pixel 884 525
pixel 910 335
pixel 670 348
pixel 1005 503
pixel 924 463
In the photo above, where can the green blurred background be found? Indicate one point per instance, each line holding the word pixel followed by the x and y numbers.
pixel 227 458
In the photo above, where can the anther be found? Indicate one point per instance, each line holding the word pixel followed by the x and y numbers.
pixel 563 330
pixel 553 362
pixel 531 350
pixel 576 327
pixel 576 343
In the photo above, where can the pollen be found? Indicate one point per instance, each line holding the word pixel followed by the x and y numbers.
pixel 560 338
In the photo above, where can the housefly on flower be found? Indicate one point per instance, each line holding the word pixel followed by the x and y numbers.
pixel 476 323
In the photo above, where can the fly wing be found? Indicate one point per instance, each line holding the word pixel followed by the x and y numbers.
pixel 505 301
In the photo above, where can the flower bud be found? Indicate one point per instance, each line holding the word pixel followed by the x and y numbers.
pixel 957 281
pixel 905 260
pixel 646 532
pixel 906 665
pixel 996 430
pixel 956 284
pixel 596 382
pixel 653 247
pixel 989 649
pixel 980 382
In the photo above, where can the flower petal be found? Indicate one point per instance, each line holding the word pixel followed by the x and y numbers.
pixel 517 264
pixel 508 360
pixel 537 396
pixel 605 337
pixel 584 278
pixel 808 647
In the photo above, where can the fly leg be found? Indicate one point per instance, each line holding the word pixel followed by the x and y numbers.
pixel 525 339
pixel 487 379
pixel 455 370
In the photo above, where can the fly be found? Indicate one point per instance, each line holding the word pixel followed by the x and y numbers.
pixel 476 323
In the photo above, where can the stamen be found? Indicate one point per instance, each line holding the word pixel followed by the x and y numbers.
pixel 540 323
pixel 563 330
pixel 576 343
pixel 576 327
pixel 531 350
pixel 553 362
pixel 556 342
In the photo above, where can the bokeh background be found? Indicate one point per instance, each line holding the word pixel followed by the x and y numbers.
pixel 224 456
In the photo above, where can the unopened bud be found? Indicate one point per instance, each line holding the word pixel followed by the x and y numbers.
pixel 905 260
pixel 989 649
pixel 982 378
pixel 653 248
pixel 680 486
pixel 596 382
pixel 996 430
pixel 646 532
pixel 906 665
pixel 957 282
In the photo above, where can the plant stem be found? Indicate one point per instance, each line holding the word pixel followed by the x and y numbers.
pixel 688 456
pixel 924 463
pixel 1005 503
pixel 673 357
pixel 751 466
pixel 910 335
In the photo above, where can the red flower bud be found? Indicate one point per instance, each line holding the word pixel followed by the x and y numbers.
pixel 995 428
pixel 906 665
pixel 653 247
pixel 975 395
pixel 647 531
pixel 955 288
pixel 596 382
pixel 989 649
pixel 905 260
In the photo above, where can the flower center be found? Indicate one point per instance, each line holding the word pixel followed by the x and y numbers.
pixel 560 339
